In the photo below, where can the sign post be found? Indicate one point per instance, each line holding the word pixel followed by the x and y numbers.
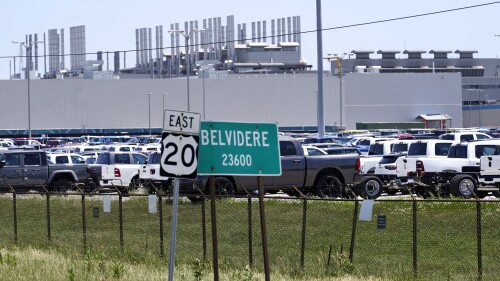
pixel 179 159
pixel 245 149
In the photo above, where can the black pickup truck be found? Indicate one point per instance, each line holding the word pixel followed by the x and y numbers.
pixel 30 168
pixel 320 175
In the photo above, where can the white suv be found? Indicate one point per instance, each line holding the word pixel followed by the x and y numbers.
pixel 464 136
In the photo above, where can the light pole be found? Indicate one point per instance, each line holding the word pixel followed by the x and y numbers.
pixel 28 48
pixel 187 35
pixel 208 67
pixel 149 110
pixel 339 70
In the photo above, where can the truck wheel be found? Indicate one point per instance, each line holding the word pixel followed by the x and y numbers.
pixel 135 183
pixel 61 185
pixel 463 186
pixel 370 187
pixel 223 187
pixel 329 185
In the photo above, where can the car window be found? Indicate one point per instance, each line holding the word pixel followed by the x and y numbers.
pixel 458 151
pixel 154 158
pixel 32 159
pixel 417 149
pixel 103 158
pixel 313 152
pixel 122 159
pixel 441 149
pixel 62 159
pixel 287 148
pixel 399 147
pixel 12 160
pixel 482 150
pixel 77 159
pixel 466 137
pixel 448 137
pixel 376 149
pixel 482 137
pixel 139 158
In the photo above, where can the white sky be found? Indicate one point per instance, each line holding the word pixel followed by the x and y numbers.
pixel 110 24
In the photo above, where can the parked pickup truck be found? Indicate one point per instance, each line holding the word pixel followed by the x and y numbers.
pixel 149 174
pixel 321 175
pixel 30 168
pixel 436 175
pixel 406 166
pixel 120 169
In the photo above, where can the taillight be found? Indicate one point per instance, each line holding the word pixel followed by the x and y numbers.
pixel 117 173
pixel 420 167
pixel 358 165
pixel 390 167
pixel 152 171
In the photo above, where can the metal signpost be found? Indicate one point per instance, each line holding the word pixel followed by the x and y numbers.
pixel 178 160
pixel 248 149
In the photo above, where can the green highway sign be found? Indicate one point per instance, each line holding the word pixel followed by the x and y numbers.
pixel 245 149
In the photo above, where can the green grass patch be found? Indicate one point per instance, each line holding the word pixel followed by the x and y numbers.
pixel 446 240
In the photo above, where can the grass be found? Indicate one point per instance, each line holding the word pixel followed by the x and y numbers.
pixel 447 247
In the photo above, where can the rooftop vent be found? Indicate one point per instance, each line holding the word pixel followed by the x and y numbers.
pixel 466 54
pixel 440 54
pixel 414 54
pixel 362 54
pixel 388 54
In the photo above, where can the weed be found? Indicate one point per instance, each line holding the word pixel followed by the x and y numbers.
pixel 11 260
pixel 198 269
pixel 118 270
pixel 71 273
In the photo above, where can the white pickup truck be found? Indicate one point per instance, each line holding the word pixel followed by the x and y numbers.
pixel 442 176
pixel 149 174
pixel 121 169
pixel 378 150
pixel 420 149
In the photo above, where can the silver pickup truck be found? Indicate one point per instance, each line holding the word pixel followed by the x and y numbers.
pixel 320 175
pixel 30 169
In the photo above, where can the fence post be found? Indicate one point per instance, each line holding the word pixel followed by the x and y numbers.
pixel 49 236
pixel 414 249
pixel 304 224
pixel 479 241
pixel 15 213
pixel 161 225
pixel 84 223
pixel 353 233
pixel 250 231
pixel 120 211
pixel 203 223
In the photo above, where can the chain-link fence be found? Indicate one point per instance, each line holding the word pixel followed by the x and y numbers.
pixel 429 239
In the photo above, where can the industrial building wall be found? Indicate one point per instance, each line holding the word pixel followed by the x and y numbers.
pixel 289 99
pixel 401 97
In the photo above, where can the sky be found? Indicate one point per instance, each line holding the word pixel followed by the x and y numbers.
pixel 110 24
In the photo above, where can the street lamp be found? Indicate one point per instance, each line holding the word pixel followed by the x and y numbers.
pixel 187 36
pixel 339 59
pixel 149 110
pixel 28 48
